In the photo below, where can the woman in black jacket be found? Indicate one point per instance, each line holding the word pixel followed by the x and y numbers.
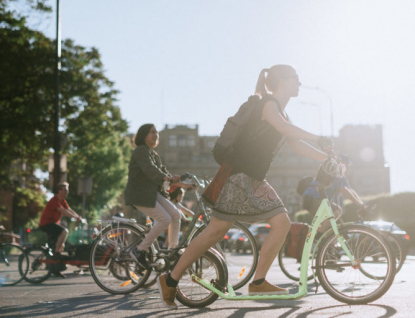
pixel 144 190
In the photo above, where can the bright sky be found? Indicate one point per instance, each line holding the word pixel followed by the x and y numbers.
pixel 196 61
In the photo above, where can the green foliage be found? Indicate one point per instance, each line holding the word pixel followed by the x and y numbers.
pixel 107 164
pixel 28 202
pixel 25 98
pixel 91 121
pixel 398 208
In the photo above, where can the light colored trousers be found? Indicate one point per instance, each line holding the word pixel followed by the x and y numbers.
pixel 166 215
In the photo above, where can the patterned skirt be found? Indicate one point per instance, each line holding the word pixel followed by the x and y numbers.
pixel 247 200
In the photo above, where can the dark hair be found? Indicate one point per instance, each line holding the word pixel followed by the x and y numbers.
pixel 141 134
pixel 175 193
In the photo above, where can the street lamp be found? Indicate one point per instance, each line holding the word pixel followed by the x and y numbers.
pixel 57 141
pixel 330 101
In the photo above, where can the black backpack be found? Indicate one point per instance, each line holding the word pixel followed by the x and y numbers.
pixel 223 149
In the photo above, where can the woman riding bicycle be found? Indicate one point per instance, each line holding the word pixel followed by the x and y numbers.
pixel 145 191
pixel 246 195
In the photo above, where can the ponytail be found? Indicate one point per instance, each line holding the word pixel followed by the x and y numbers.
pixel 269 83
pixel 260 89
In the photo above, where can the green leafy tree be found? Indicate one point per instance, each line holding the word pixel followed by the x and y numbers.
pixel 25 98
pixel 91 121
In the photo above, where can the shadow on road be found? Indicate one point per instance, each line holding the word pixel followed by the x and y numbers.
pixel 146 303
pixel 88 304
pixel 389 311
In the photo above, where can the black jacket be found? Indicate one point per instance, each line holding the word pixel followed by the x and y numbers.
pixel 145 177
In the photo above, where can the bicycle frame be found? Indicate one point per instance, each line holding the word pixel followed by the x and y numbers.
pixel 324 212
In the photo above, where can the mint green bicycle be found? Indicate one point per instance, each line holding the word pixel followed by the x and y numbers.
pixel 353 263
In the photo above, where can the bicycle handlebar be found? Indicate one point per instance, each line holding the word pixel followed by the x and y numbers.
pixel 188 175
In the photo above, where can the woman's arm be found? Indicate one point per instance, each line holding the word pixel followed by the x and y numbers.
pixel 271 114
pixel 69 213
pixel 185 210
pixel 306 149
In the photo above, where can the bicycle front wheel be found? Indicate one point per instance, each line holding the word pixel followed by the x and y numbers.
pixel 112 267
pixel 13 264
pixel 240 251
pixel 40 267
pixel 211 267
pixel 361 282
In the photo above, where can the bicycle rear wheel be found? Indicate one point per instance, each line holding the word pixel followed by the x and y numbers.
pixel 397 250
pixel 112 267
pixel 40 268
pixel 241 255
pixel 291 267
pixel 211 267
pixel 13 264
pixel 364 282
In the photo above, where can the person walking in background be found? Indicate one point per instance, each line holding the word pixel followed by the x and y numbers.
pixel 146 193
pixel 247 196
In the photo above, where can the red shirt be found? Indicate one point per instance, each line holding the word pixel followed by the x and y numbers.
pixel 50 213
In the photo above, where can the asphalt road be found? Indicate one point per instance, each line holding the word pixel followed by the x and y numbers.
pixel 78 296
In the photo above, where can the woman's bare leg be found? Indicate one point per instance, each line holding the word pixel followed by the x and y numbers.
pixel 280 226
pixel 214 232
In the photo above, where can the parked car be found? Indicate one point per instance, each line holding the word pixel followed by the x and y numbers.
pixel 260 231
pixel 239 242
pixel 389 227
pixel 225 243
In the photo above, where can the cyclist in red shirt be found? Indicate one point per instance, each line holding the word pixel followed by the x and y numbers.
pixel 52 215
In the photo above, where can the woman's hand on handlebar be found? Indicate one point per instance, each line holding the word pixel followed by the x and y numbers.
pixel 174 179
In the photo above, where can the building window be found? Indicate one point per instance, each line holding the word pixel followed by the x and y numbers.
pixel 181 141
pixel 191 141
pixel 172 140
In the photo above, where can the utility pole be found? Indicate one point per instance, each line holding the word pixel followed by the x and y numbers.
pixel 57 140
